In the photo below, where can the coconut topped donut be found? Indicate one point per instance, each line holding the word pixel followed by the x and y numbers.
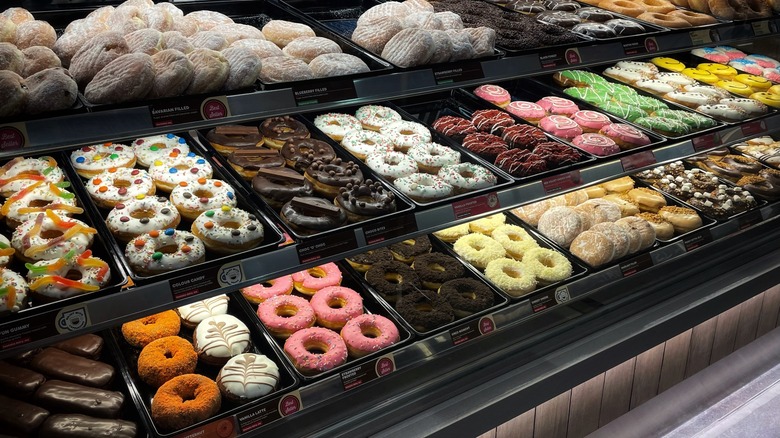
pixel 149 149
pixel 92 160
pixel 21 172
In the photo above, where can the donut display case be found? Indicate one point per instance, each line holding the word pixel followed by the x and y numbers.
pixel 475 368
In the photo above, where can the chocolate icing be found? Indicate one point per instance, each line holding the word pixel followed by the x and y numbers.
pixel 89 346
pixel 302 221
pixel 68 397
pixel 366 199
pixel 335 172
pixel 254 161
pixel 301 152
pixel 20 417
pixel 283 128
pixel 277 189
pixel 17 380
pixel 75 425
pixel 242 137
pixel 58 364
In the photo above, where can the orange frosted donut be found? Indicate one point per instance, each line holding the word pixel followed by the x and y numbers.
pixel 142 331
pixel 165 358
pixel 313 279
pixel 184 401
pixel 257 293
pixel 335 305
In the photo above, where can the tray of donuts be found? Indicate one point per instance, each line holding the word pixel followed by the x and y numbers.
pixel 421 284
pixel 496 138
pixel 662 13
pixel 166 207
pixel 52 251
pixel 507 254
pixel 407 34
pixel 694 185
pixel 611 222
pixel 747 172
pixel 69 388
pixel 750 63
pixel 191 366
pixel 324 320
pixel 415 160
pixel 307 184
pixel 765 149
pixel 589 130
pixel 708 88
pixel 637 107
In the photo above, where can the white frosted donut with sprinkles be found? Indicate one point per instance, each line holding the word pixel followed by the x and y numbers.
pixel 406 134
pixel 164 250
pixel 92 160
pixel 192 198
pixel 6 251
pixel 465 177
pixel 423 187
pixel 430 157
pixel 228 230
pixel 176 168
pixel 49 237
pixel 119 184
pixel 21 172
pixel 134 217
pixel 49 280
pixel 374 117
pixel 13 291
pixel 27 203
pixel 391 165
pixel 148 149
pixel 362 143
pixel 337 125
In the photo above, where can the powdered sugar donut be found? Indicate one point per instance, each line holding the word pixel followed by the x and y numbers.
pixel 374 117
pixel 49 237
pixel 149 149
pixel 465 177
pixel 27 203
pixel 134 217
pixel 162 251
pixel 336 125
pixel 21 172
pixel 91 160
pixel 119 184
pixel 405 134
pixel 192 198
pixel 14 291
pixel 228 230
pixel 391 165
pixel 430 157
pixel 49 278
pixel 176 168
pixel 362 143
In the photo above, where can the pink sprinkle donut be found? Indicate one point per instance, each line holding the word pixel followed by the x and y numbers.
pixel 590 121
pixel 528 111
pixel 368 333
pixel 284 315
pixel 558 105
pixel 313 279
pixel 493 94
pixel 560 126
pixel 257 293
pixel 315 350
pixel 335 305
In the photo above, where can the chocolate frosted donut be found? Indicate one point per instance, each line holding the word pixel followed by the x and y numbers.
pixel 310 214
pixel 485 145
pixel 392 280
pixel 527 6
pixel 235 136
pixel 454 127
pixel 58 364
pixel 62 396
pixel 407 250
pixel 328 176
pixel 248 161
pixel 300 153
pixel 594 14
pixel 279 185
pixel 595 30
pixel 436 268
pixel 21 417
pixel 70 425
pixel 559 18
pixel 277 130
pixel 365 200
pixel 561 5
pixel 466 296
pixel 24 382
pixel 623 27
pixel 88 346
pixel 425 311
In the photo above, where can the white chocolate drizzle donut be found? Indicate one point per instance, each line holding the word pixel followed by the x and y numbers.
pixel 221 336
pixel 192 198
pixel 192 314
pixel 13 291
pixel 164 250
pixel 176 168
pixel 405 134
pixel 391 165
pixel 27 203
pixel 91 160
pixel 336 125
pixel 48 236
pixel 140 216
pixel 362 143
pixel 149 149
pixel 50 277
pixel 374 117
pixel 21 172
pixel 248 376
pixel 467 176
pixel 228 230
pixel 119 184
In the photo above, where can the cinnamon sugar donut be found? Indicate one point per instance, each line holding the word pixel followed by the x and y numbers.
pixel 306 48
pixel 282 32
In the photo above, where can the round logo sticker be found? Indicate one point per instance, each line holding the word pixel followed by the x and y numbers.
pixel 486 325
pixel 651 45
pixel 573 56
pixel 384 366
pixel 214 109
pixel 11 138
pixel 289 405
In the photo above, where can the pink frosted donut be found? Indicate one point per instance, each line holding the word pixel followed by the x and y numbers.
pixel 558 105
pixel 257 293
pixel 284 315
pixel 368 333
pixel 313 279
pixel 493 94
pixel 335 305
pixel 560 126
pixel 590 121
pixel 527 110
pixel 596 144
pixel 773 74
pixel 315 350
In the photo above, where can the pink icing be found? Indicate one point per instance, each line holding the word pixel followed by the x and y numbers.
pixel 560 126
pixel 526 110
pixel 492 93
pixel 257 293
pixel 354 334
pixel 316 278
pixel 348 304
pixel 596 144
pixel 305 348
pixel 592 120
pixel 274 312
pixel 558 105
pixel 625 133
pixel 772 74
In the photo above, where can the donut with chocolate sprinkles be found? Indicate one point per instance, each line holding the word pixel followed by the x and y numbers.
pixel 425 311
pixel 392 280
pixel 436 268
pixel 467 296
pixel 407 250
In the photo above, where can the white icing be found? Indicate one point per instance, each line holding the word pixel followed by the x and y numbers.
pixel 423 186
pixel 189 197
pixel 140 251
pixel 406 134
pixel 173 170
pixel 90 276
pixel 101 157
pixel 362 143
pixel 200 310
pixel 248 232
pixel 149 149
pixel 121 184
pixel 44 166
pixel 376 115
pixel 434 155
pixel 221 336
pixel 480 177
pixel 19 209
pixel 9 278
pixel 4 243
pixel 249 376
pixel 337 125
pixel 391 165
pixel 121 220
pixel 22 241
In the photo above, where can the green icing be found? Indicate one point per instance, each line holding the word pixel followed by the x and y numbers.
pixel 663 125
pixel 587 94
pixel 613 89
pixel 583 76
pixel 627 112
pixel 695 121
pixel 648 104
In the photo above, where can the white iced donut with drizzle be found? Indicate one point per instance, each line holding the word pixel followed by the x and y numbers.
pixel 177 168
pixel 192 198
pixel 49 237
pixel 50 278
pixel 374 117
pixel 362 143
pixel 162 251
pixel 405 134
pixel 139 216
pixel 248 376
pixel 92 160
pixel 13 291
pixel 22 172
pixel 192 314
pixel 157 147
pixel 228 230
pixel 119 184
pixel 218 338
pixel 336 125
pixel 27 203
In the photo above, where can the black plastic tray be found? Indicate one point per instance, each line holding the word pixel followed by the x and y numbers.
pixel 499 298
pixel 763 161
pixel 427 113
pixel 643 22
pixel 99 249
pixel 272 235
pixel 370 305
pixel 143 393
pixel 466 156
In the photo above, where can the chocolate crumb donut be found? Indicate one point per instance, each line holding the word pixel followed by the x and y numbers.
pixel 466 296
pixel 300 153
pixel 365 200
pixel 424 311
pixel 436 268
pixel 363 262
pixel 392 280
pixel 407 250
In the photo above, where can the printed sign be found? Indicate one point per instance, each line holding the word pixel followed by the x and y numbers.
pixel 707 141
pixel 637 161
pixel 697 239
pixel 333 90
pixel 699 37
pixel 564 181
pixel 394 227
pixel 189 109
pixel 637 264
pixel 205 280
pixel 327 246
pixel 367 372
pixel 474 206
pixel 560 58
pixel 640 46
pixel 269 412
pixel 472 330
pixel 459 72
pixel 753 128
pixel 222 428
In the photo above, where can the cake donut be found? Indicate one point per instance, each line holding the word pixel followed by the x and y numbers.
pixel 491 121
pixel 391 165
pixel 218 338
pixel 513 277
pixel 149 149
pixel 335 305
pixel 435 268
pixel 313 279
pixel 260 292
pixel 140 332
pixel 248 376
pixel 363 143
pixel 363 262
pixel 161 251
pixel 374 117
pixel 32 240
pixel 89 161
pixel 336 125
pixel 193 314
pixel 34 199
pixel 228 230
pixel 177 168
pixel 392 279
pixel 430 157
pixel 171 412
pixel 139 216
pixel 466 177
pixel 278 130
pixel 284 315
pixel 315 350
pixel 425 311
pixel 407 250
pixel 21 172
pixel 367 333
pixel 405 134
pixel 163 359
pixel 119 184
pixel 192 198
pixel 13 291
pixel 423 187
pixel 48 279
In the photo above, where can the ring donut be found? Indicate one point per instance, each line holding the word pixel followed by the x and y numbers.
pixel 364 142
pixel 467 296
pixel 406 134
pixel 185 400
pixel 478 249
pixel 425 311
pixel 140 216
pixel 21 172
pixel 258 293
pixel 192 198
pixel 48 237
pixel 392 279
pixel 336 125
pixel 549 266
pixel 435 268
pixel 368 333
pixel 92 160
pixel 335 305
pixel 513 277
pixel 466 177
pixel 228 230
pixel 177 168
pixel 142 331
pixel 119 184
pixel 315 350
pixel 391 165
pixel 49 280
pixel 165 358
pixel 374 117
pixel 284 315
pixel 27 203
pixel 149 149
pixel 161 251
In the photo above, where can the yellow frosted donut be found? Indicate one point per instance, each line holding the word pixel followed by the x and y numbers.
pixel 479 249
pixel 486 225
pixel 668 63
pixel 550 266
pixel 725 72
pixel 766 98
pixel 513 277
pixel 515 240
pixel 757 83
pixel 701 75
pixel 452 234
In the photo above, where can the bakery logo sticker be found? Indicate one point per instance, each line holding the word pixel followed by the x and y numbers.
pixel 188 109
pixel 290 404
pixel 474 206
pixel 230 274
pixel 70 319
pixel 216 108
pixel 268 412
pixel 13 136
pixel 562 295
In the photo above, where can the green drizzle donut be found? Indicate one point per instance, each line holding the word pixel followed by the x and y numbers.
pixel 587 94
pixel 695 121
pixel 627 112
pixel 664 126
pixel 648 104
pixel 613 89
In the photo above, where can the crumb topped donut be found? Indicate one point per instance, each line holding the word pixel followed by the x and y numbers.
pixel 149 149
pixel 192 198
pixel 21 172
pixel 92 160
pixel 119 184
pixel 162 251
pixel 478 249
pixel 176 168
pixel 139 216
pixel 228 230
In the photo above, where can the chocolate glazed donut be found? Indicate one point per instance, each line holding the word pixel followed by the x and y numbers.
pixel 365 200
pixel 277 130
pixel 310 214
pixel 278 186
pixel 300 153
pixel 328 176
pixel 234 137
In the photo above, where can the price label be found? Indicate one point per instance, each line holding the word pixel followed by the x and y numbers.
pixel 450 73
pixel 13 136
pixel 395 227
pixel 326 246
pixel 472 330
pixel 749 219
pixel 640 46
pixel 334 90
pixel 697 239
pixel 474 206
pixel 550 299
pixel 762 27
pixel 637 264
pixel 204 280
pixel 560 58
pixel 367 372
pixel 707 141
pixel 699 37
pixel 753 128
pixel 222 428
pixel 45 325
pixel 189 109
pixel 268 412
pixel 637 161
pixel 565 181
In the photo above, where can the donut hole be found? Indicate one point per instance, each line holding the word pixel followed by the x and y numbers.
pixel 188 394
pixel 393 278
pixel 30 172
pixel 516 237
pixel 203 193
pixel 37 203
pixel 371 332
pixel 181 167
pixel 330 122
pixel 336 303
pixel 73 274
pixel 122 183
pixel 143 214
pixel 317 273
pixel 51 234
pixel 232 225
pixel 168 249
pixel 168 355
pixel 468 295
pixel 512 273
pixel 286 311
pixel 315 347
pixel 368 142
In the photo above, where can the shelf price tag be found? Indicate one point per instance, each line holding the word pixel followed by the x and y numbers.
pixel 550 298
pixel 474 206
pixel 697 239
pixel 43 326
pixel 564 181
pixel 637 161
pixel 753 128
pixel 13 136
pixel 707 141
pixel 472 330
pixel 189 109
pixel 394 227
pixel 333 90
pixel 268 412
pixel 364 373
pixel 699 37
pixel 637 264
pixel 448 73
pixel 764 27
pixel 640 46
pixel 204 280
pixel 560 58
pixel 223 428
pixel 749 219
pixel 336 243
